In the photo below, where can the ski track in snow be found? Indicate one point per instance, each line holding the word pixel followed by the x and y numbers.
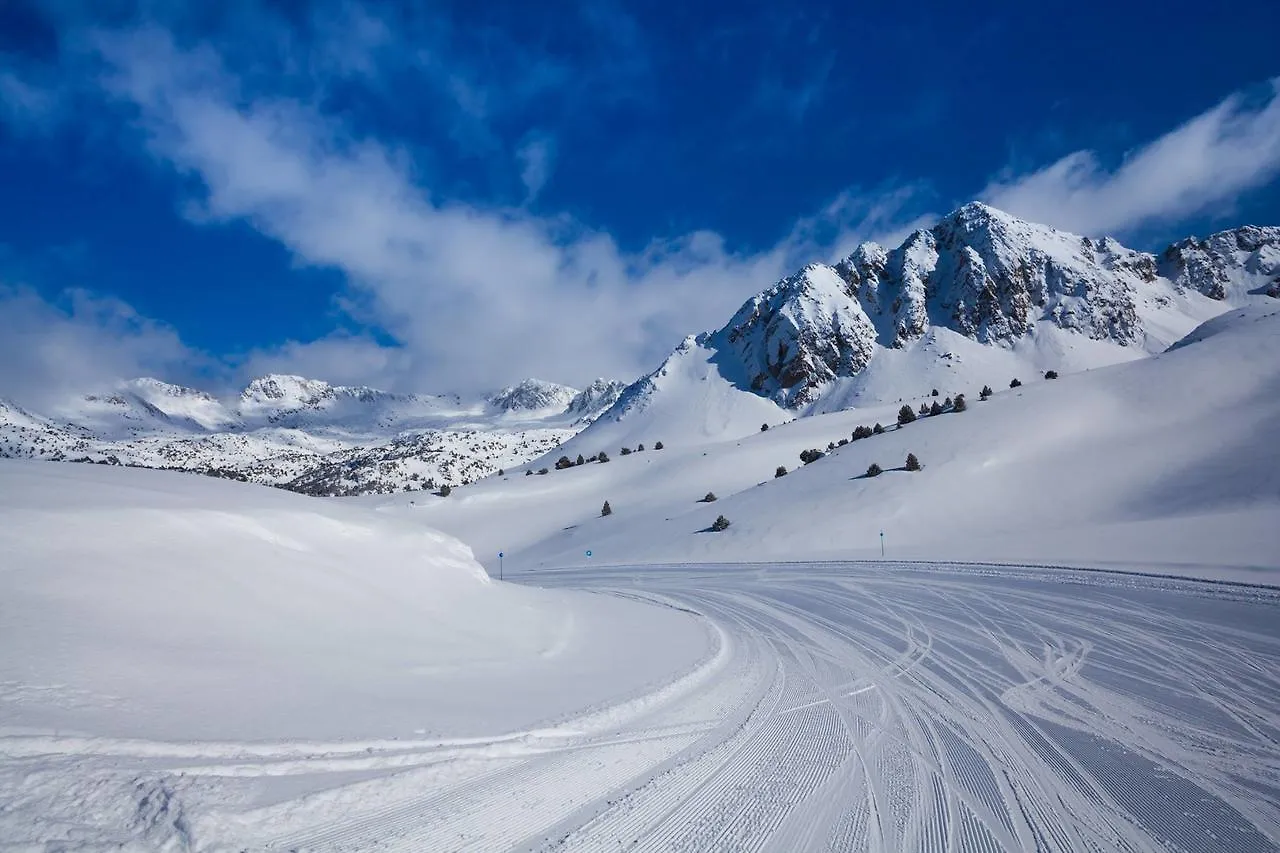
pixel 848 707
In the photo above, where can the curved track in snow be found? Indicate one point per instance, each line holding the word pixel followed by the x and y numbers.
pixel 849 707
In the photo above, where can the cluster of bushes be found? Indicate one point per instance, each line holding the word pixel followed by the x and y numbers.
pixel 912 464
pixel 627 451
pixel 906 415
pixel 807 456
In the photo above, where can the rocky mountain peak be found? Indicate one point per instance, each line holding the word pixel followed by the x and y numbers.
pixel 595 398
pixel 533 395
pixel 993 278
pixel 286 390
pixel 799 334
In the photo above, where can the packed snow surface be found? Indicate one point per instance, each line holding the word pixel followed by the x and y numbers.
pixel 855 706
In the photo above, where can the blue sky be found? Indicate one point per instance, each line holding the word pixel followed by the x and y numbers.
pixel 456 195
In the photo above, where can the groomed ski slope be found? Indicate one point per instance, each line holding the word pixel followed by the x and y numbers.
pixel 847 707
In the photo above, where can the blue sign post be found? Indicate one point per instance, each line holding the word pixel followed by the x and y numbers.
pixel 881 543
pixel 499 565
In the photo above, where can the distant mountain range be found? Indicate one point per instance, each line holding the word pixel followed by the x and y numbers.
pixel 980 298
pixel 308 435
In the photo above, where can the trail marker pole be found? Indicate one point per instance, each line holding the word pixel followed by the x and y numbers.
pixel 499 565
pixel 882 543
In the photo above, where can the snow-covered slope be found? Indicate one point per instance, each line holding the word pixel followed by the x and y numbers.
pixel 689 395
pixel 1169 459
pixel 979 293
pixel 306 434
pixel 164 605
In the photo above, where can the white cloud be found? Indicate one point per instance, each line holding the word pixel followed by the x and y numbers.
pixel 537 157
pixel 1201 166
pixel 340 359
pixel 471 295
pixel 80 342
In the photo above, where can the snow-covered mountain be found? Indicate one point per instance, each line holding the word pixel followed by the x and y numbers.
pixel 533 395
pixel 307 435
pixel 980 297
pixel 1157 462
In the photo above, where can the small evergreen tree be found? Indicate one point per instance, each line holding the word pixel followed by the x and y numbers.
pixel 905 416
pixel 580 461
pixel 604 457
pixel 860 432
pixel 606 510
pixel 842 442
pixel 811 455
pixel 708 498
pixel 960 404
pixel 563 462
pixel 639 448
pixel 924 410
pixel 831 445
pixel 626 451
pixel 985 392
pixel 877 430
pixel 780 472
pixel 913 464
pixel 764 427
pixel 935 409
pixel 874 470
pixel 528 472
pixel 935 393
pixel 657 446
pixel 946 404
pixel 542 470
pixel 721 523
pixel 1051 374
pixel 1016 383
pixel 446 490
pixel 500 472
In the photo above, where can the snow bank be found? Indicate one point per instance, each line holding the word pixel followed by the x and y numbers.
pixel 139 603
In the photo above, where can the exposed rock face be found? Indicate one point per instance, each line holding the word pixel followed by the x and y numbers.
pixel 533 395
pixel 595 398
pixel 800 333
pixel 1240 257
pixel 986 275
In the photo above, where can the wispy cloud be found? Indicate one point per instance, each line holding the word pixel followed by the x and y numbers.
pixel 50 348
pixel 1202 166
pixel 468 293
pixel 536 155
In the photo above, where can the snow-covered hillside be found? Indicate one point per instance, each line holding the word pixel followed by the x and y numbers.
pixel 1169 459
pixel 308 435
pixel 980 293
pixel 166 605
